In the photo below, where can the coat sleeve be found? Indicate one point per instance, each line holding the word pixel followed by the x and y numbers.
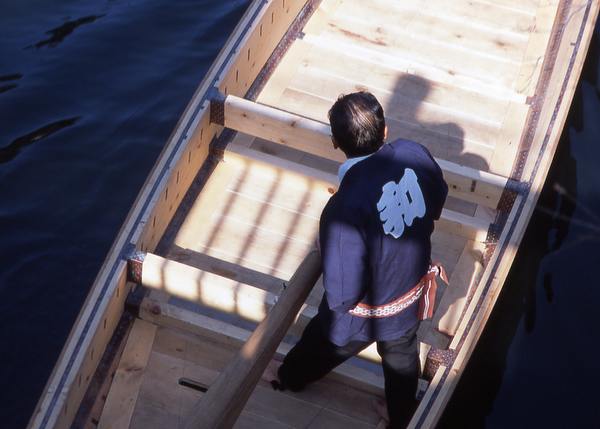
pixel 345 255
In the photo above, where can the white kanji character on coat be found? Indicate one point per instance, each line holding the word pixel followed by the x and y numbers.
pixel 401 203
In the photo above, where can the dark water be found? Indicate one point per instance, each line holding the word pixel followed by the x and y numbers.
pixel 90 92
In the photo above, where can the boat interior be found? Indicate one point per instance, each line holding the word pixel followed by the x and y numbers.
pixel 237 212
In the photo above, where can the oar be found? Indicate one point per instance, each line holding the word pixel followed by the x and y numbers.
pixel 222 404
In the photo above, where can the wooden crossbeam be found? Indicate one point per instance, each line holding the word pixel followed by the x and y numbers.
pixel 314 137
pixel 208 289
pixel 280 127
pixel 217 292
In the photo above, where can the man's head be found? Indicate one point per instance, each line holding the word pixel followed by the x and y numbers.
pixel 357 124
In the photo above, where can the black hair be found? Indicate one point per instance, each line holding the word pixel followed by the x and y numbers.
pixel 357 124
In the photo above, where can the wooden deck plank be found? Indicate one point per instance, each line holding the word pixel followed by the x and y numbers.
pixel 175 350
pixel 412 66
pixel 501 16
pixel 352 403
pixel 524 6
pixel 538 40
pixel 513 128
pixel 253 243
pixel 246 275
pixel 279 189
pixel 271 217
pixel 453 23
pixel 201 211
pixel 446 249
pixel 438 142
pixel 216 332
pixel 284 73
pixel 405 107
pixel 281 408
pixel 202 350
pixel 247 264
pixel 343 65
pixel 252 421
pixel 466 183
pixel 450 306
pixel 329 419
pixel 455 222
pixel 161 388
pixel 252 303
pixel 327 397
pixel 307 105
pixel 207 345
pixel 462 101
pixel 229 230
pixel 463 225
pixel 442 143
pixel 224 294
pixel 207 289
pixel 421 48
pixel 148 416
pixel 321 17
pixel 445 139
pixel 312 161
pixel 162 398
pixel 191 328
pixel 224 401
pixel 121 400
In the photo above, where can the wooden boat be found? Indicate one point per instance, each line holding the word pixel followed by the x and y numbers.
pixel 182 319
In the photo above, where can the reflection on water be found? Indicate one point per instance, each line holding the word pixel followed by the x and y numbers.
pixel 59 33
pixel 7 153
pixel 8 78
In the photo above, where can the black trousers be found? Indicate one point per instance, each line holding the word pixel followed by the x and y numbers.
pixel 314 356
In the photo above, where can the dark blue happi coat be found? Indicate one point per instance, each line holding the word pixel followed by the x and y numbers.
pixel 375 235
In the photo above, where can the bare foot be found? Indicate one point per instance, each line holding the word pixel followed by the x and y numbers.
pixel 381 407
pixel 270 373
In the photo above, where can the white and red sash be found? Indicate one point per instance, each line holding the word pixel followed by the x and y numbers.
pixel 424 292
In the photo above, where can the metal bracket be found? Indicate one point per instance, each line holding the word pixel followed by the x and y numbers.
pixel 437 358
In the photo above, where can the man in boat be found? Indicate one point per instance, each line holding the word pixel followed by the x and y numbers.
pixel 375 243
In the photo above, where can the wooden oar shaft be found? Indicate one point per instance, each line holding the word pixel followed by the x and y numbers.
pixel 222 404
